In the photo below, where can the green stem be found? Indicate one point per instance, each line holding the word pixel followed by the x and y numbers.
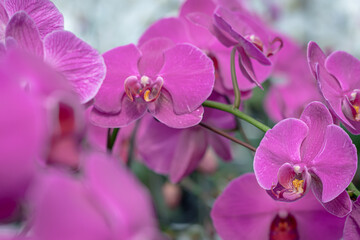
pixel 224 134
pixel 111 138
pixel 237 113
pixel 237 93
pixel 352 188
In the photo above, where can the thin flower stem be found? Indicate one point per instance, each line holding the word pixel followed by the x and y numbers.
pixel 111 138
pixel 352 188
pixel 228 136
pixel 237 113
pixel 237 93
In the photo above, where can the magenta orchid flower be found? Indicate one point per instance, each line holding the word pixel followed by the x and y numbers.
pixel 245 211
pixel 352 223
pixel 246 32
pixel 200 15
pixel 308 152
pixel 82 65
pixel 169 80
pixel 107 201
pixel 178 152
pixel 296 89
pixel 337 77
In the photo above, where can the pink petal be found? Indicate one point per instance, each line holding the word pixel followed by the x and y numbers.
pixel 152 58
pixel 79 62
pixel 44 13
pixel 345 68
pixel 246 67
pixel 225 20
pixel 23 130
pixel 190 149
pixel 130 112
pixel 315 56
pixel 128 214
pixel 280 145
pixel 314 222
pixel 121 62
pixel 163 110
pixel 172 28
pixel 156 144
pixel 339 206
pixel 352 224
pixel 187 67
pixel 23 29
pixel 317 117
pixel 62 209
pixel 336 163
pixel 191 6
pixel 221 146
pixel 4 18
pixel 243 210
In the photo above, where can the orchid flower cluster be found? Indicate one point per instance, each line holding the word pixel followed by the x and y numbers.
pixel 74 121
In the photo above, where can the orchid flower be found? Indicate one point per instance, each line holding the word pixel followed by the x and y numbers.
pixel 169 80
pixel 310 152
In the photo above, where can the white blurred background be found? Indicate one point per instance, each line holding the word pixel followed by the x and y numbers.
pixel 105 24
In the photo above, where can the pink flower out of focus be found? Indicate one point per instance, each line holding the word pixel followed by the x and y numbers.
pixel 244 211
pixel 105 202
pixel 169 80
pixel 308 152
pixel 338 79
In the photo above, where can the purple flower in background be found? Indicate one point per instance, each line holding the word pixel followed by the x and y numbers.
pixel 338 79
pixel 245 211
pixel 296 88
pixel 352 223
pixel 23 130
pixel 37 27
pixel 249 35
pixel 105 203
pixel 169 81
pixel 178 152
pixel 310 151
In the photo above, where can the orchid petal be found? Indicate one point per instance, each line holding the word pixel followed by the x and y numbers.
pixel 79 62
pixel 352 223
pixel 317 117
pixel 172 28
pixel 23 29
pixel 152 58
pixel 128 215
pixel 243 210
pixel 189 151
pixel 44 13
pixel 153 141
pixel 336 163
pixel 280 145
pixel 345 68
pixel 121 62
pixel 130 112
pixel 163 110
pixel 339 206
pixel 187 67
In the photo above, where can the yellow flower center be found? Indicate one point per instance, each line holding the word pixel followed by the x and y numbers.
pixel 298 185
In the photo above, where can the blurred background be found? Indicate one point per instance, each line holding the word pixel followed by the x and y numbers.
pixel 111 23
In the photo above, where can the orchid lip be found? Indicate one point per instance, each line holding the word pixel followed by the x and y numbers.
pixel 292 183
pixel 351 105
pixel 143 88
